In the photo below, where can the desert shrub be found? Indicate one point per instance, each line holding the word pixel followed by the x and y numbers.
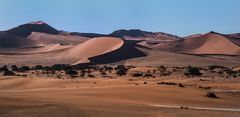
pixel 4 68
pixel 204 87
pixel 130 67
pixel 184 107
pixel 230 72
pixel 220 72
pixel 207 87
pixel 59 76
pixel 91 76
pixel 46 68
pixel 24 68
pixel 9 73
pixel 38 67
pixel 82 73
pixel 212 67
pixel 180 85
pixel 121 67
pixel 193 71
pixel 161 68
pixel 145 82
pixel 130 79
pixel 103 73
pixel 68 67
pixel 71 72
pixel 58 67
pixel 89 71
pixel 148 75
pixel 211 95
pixel 137 74
pixel 154 71
pixel 83 66
pixel 24 75
pixel 121 70
pixel 166 83
pixel 166 73
pixel 106 68
pixel 14 68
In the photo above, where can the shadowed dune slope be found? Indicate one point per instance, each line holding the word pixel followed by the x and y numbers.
pixel 36 43
pixel 11 41
pixel 208 44
pixel 127 51
pixel 235 38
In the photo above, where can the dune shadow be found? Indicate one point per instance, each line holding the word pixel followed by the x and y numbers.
pixel 127 51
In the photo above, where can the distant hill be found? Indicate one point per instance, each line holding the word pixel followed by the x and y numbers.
pixel 26 29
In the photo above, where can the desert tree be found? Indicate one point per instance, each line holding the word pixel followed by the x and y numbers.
pixel 148 75
pixel 193 71
pixel 137 74
pixel 161 68
pixel 38 67
pixel 14 68
pixel 212 67
pixel 103 73
pixel 4 68
pixel 71 72
pixel 24 68
pixel 91 76
pixel 211 95
pixel 121 70
pixel 82 73
pixel 59 67
pixel 8 73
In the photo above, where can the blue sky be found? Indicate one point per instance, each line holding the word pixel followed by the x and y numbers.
pixel 180 17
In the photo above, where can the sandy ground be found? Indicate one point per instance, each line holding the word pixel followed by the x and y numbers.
pixel 120 97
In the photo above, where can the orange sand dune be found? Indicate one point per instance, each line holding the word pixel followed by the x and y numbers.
pixel 93 47
pixel 64 48
pixel 59 54
pixel 209 44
